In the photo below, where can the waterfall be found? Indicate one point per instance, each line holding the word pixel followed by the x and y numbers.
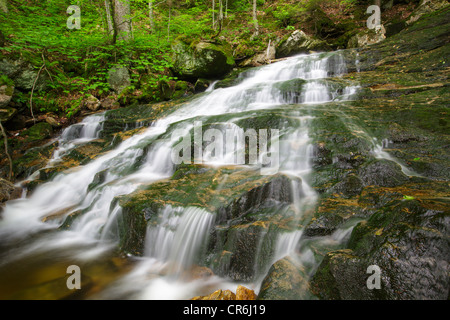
pixel 178 236
pixel 172 245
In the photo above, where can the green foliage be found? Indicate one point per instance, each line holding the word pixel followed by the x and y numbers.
pixel 4 80
pixel 286 14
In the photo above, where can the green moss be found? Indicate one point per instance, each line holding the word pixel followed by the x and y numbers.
pixel 39 131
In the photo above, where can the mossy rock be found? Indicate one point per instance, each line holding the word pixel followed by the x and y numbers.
pixel 286 280
pixel 201 59
pixel 406 240
pixel 298 42
pixel 7 113
pixel 39 131
pixel 193 185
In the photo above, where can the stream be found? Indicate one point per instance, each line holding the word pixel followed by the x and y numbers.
pixel 35 251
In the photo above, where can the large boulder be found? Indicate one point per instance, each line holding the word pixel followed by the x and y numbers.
pixel 201 59
pixel 299 42
pixel 24 75
pixel 119 78
pixel 92 103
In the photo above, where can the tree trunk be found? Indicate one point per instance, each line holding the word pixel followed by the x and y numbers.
pixel 150 15
pixel 122 19
pixel 169 3
pixel 109 17
pixel 255 19
pixel 377 3
pixel 4 6
pixel 219 19
pixel 226 8
pixel 213 8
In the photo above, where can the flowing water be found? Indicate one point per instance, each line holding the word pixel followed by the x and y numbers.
pixel 175 244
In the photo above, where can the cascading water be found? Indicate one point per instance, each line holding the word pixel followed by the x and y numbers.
pixel 85 131
pixel 173 244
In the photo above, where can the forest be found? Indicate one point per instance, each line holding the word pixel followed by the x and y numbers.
pixel 224 150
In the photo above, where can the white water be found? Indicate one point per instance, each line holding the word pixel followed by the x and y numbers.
pixel 174 243
pixel 76 134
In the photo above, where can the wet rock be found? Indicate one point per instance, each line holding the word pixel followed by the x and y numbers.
pixel 198 272
pixel 399 134
pixel 240 195
pixel 286 280
pixel 6 190
pixel 277 190
pixel 321 156
pixel 350 186
pixel 218 295
pixel 298 42
pixel 407 240
pixel 382 173
pixel 324 225
pixel 33 159
pixel 350 160
pixel 243 293
pixel 247 249
pixel 201 85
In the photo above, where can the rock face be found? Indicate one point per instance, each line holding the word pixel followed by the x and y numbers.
pixel 426 6
pixel 298 42
pixel 23 75
pixel 201 59
pixel 407 240
pixel 383 173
